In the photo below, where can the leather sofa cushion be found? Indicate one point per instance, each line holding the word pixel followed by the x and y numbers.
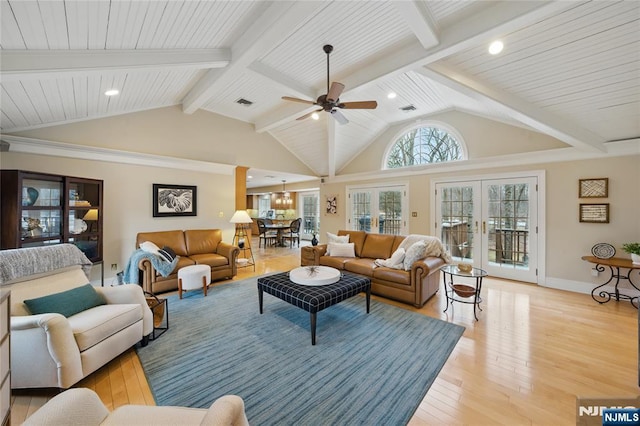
pixel 210 259
pixel 182 262
pixel 377 246
pixel 200 241
pixel 394 275
pixel 92 326
pixel 362 266
pixel 334 262
pixel 357 238
pixel 173 239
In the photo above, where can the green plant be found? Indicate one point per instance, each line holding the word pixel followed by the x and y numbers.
pixel 632 248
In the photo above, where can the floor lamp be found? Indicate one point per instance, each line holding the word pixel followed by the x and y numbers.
pixel 242 220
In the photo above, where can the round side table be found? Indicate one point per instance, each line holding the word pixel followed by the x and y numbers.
pixel 463 293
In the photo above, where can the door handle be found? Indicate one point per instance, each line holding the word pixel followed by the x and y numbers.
pixel 476 230
pixel 484 227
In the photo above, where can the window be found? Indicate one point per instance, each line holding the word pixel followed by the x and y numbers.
pixel 425 145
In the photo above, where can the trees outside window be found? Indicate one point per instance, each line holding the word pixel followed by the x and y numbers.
pixel 424 145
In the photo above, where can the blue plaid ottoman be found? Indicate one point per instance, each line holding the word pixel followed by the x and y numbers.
pixel 313 299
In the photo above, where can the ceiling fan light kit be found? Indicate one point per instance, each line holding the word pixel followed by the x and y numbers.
pixel 330 102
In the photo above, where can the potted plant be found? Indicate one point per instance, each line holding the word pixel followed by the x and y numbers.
pixel 634 250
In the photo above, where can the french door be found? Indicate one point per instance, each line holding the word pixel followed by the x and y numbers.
pixel 492 223
pixel 310 202
pixel 379 210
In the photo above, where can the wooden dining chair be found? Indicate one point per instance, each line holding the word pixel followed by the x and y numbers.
pixel 264 234
pixel 294 232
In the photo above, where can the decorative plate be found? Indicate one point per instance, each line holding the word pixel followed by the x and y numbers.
pixel 603 251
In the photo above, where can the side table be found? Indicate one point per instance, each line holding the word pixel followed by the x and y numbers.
pixel 614 264
pixel 461 292
pixel 160 310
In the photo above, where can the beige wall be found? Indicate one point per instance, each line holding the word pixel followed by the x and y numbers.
pixel 202 136
pixel 128 199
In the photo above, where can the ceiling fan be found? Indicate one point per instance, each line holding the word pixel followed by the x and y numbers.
pixel 330 102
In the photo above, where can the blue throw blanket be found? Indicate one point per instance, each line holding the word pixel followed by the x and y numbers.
pixel 131 272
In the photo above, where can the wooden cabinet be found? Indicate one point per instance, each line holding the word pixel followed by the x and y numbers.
pixel 41 209
pixel 5 359
pixel 278 201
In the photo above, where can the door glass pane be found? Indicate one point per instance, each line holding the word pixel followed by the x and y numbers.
pixel 390 212
pixel 457 221
pixel 508 225
pixel 310 214
pixel 361 211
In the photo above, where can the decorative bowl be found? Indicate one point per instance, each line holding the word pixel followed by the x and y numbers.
pixel 464 267
pixel 464 290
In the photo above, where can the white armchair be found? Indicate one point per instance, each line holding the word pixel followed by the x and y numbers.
pixel 82 407
pixel 51 350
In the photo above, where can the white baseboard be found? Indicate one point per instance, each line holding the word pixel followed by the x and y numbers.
pixel 586 287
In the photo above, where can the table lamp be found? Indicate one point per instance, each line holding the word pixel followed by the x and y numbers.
pixel 91 216
pixel 241 218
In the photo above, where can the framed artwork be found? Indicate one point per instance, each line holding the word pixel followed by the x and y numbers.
pixel 594 213
pixel 332 204
pixel 594 188
pixel 174 200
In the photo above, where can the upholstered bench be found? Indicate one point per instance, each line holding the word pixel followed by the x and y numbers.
pixel 194 277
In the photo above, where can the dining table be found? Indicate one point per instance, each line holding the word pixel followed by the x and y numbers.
pixel 279 228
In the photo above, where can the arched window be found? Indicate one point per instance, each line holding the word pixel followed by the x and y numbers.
pixel 424 145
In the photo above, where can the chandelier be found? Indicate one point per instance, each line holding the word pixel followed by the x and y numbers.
pixel 283 198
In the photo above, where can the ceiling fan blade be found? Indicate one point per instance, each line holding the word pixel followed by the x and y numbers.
pixel 359 105
pixel 302 101
pixel 304 117
pixel 335 91
pixel 339 117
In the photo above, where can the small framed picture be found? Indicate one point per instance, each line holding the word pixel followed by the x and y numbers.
pixel 332 204
pixel 594 188
pixel 594 213
pixel 174 200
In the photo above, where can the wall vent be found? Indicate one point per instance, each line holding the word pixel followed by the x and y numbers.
pixel 243 101
pixel 408 108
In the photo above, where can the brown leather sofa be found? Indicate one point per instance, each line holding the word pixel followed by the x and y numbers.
pixel 415 286
pixel 194 247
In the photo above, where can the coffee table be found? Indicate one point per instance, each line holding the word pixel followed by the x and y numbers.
pixel 313 298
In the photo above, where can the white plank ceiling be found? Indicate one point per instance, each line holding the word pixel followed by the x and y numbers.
pixel 570 69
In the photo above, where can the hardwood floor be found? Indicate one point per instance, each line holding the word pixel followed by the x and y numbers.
pixel 533 351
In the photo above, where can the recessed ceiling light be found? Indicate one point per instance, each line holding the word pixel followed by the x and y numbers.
pixel 496 47
pixel 315 116
pixel 392 95
pixel 249 177
pixel 111 92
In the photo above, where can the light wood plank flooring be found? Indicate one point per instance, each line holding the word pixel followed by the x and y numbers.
pixel 532 353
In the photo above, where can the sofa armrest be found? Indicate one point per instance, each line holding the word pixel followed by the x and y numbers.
pixel 40 343
pixel 310 255
pixel 228 251
pixel 79 406
pixel 130 293
pixel 227 410
pixel 148 274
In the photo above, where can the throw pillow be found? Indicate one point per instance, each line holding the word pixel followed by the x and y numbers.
pixel 397 257
pixel 333 238
pixel 68 302
pixel 342 249
pixel 167 253
pixel 416 252
pixel 149 247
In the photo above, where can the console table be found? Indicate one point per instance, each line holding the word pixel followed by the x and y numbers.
pixel 614 264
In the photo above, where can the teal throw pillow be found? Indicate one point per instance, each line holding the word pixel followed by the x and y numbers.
pixel 68 302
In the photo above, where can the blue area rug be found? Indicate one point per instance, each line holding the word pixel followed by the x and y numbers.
pixel 364 369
